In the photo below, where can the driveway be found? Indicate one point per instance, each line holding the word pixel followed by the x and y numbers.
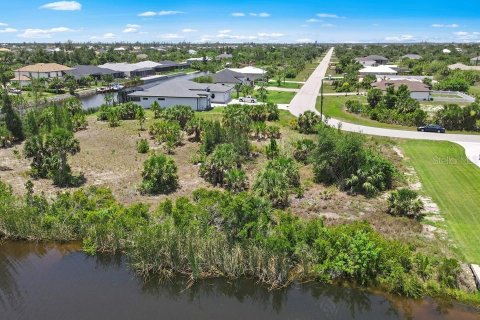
pixel 306 98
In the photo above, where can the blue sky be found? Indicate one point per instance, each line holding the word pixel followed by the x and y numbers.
pixel 239 21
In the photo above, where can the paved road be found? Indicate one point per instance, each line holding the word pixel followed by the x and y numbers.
pixel 306 99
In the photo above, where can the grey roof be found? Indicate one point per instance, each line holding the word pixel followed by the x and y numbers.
pixel 168 63
pixel 475 59
pixel 225 56
pixel 412 56
pixel 376 58
pixel 217 87
pixel 227 76
pixel 87 70
pixel 174 88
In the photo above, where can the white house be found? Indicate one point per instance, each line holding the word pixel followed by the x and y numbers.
pixel 198 96
pixel 378 70
pixel 418 90
pixel 139 69
pixel 41 70
pixel 251 73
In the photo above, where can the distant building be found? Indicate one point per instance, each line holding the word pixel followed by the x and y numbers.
pixel 224 56
pixel 461 66
pixel 42 70
pixel 377 71
pixel 412 56
pixel 198 96
pixel 140 69
pixel 372 60
pixel 199 59
pixel 82 71
pixel 250 73
pixel 192 52
pixel 446 51
pixel 418 90
pixel 475 61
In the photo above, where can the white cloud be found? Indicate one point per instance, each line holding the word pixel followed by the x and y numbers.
pixel 270 35
pixel 147 14
pixel 130 30
pixel 328 25
pixel 401 38
pixel 168 12
pixel 105 36
pixel 63 6
pixel 467 36
pixel 304 40
pixel 439 25
pixel 261 14
pixel 159 13
pixel 188 30
pixel 3 24
pixel 236 37
pixel 130 25
pixel 171 36
pixel 43 33
pixel 461 33
pixel 327 15
pixel 238 14
pixel 313 20
pixel 8 30
pixel 225 31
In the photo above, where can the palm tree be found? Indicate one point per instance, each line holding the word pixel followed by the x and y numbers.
pixel 238 88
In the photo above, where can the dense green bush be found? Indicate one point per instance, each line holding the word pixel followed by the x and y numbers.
pixel 159 175
pixel 142 146
pixel 343 159
pixel 180 114
pixel 404 202
pixel 168 133
pixel 454 117
pixel 354 106
pixel 302 150
pixel 216 166
pixel 308 122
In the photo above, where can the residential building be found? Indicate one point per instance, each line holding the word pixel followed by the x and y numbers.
pixel 224 56
pixel 461 66
pixel 139 69
pixel 372 60
pixel 418 90
pixel 250 73
pixel 227 76
pixel 475 61
pixel 198 96
pixel 82 71
pixel 412 56
pixel 199 59
pixel 377 71
pixel 42 70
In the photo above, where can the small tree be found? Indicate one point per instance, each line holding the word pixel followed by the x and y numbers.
pixel 140 116
pixel 155 107
pixel 181 114
pixel 374 96
pixel 159 175
pixel 272 149
pixel 113 117
pixel 404 202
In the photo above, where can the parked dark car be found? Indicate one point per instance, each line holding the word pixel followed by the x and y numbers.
pixel 432 128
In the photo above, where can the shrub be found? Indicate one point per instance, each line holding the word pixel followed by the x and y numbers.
pixel 236 180
pixel 272 150
pixel 168 133
pixel 142 146
pixel 404 202
pixel 159 175
pixel 308 122
pixel 218 163
pixel 354 106
pixel 180 114
pixel 303 149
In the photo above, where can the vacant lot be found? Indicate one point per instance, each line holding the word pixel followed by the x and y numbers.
pixel 305 73
pixel 453 182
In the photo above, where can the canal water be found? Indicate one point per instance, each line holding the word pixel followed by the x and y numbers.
pixel 42 281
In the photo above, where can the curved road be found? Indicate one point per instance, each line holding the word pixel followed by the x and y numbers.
pixel 306 98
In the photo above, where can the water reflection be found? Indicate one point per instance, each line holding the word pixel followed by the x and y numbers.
pixel 58 282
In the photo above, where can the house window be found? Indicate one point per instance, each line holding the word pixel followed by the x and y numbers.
pixel 144 98
pixel 161 99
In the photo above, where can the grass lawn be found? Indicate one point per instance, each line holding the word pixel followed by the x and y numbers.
pixel 453 182
pixel 474 90
pixel 333 106
pixel 305 73
pixel 278 96
pixel 290 85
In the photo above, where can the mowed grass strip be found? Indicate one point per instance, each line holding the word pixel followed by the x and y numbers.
pixel 453 182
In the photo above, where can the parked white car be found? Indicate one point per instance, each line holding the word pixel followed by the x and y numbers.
pixel 248 99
